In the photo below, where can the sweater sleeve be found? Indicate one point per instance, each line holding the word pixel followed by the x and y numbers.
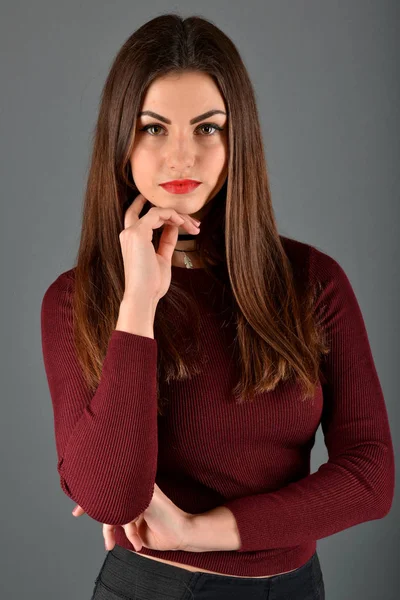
pixel 106 441
pixel 356 484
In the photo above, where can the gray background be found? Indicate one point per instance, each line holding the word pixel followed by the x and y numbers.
pixel 327 85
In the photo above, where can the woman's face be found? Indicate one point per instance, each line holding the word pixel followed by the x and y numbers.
pixel 180 149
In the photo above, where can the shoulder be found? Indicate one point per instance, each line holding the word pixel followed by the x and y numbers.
pixel 312 262
pixel 59 292
pixel 296 251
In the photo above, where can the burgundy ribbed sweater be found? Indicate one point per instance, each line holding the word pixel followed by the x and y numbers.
pixel 206 450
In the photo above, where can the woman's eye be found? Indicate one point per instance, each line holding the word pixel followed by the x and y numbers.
pixel 209 125
pixel 151 127
pixel 213 126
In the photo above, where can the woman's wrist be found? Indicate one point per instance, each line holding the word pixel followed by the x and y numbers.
pixel 215 530
pixel 136 317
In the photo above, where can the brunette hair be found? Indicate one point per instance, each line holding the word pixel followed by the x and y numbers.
pixel 239 244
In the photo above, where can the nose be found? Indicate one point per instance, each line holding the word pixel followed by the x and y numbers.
pixel 180 154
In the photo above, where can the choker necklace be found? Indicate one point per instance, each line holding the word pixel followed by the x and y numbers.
pixel 186 259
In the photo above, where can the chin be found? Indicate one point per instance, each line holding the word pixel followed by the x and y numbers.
pixel 180 203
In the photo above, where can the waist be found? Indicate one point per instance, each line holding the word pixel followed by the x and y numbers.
pixel 262 564
pixel 198 569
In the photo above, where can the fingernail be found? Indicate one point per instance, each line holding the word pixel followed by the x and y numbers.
pixel 196 221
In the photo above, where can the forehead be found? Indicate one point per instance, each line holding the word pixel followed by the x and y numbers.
pixel 184 91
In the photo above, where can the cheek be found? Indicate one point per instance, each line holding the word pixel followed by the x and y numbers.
pixel 215 158
pixel 143 165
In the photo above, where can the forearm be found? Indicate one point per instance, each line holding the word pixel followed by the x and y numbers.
pixel 136 317
pixel 212 531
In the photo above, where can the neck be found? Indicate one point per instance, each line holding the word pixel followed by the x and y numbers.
pixel 180 259
pixel 186 243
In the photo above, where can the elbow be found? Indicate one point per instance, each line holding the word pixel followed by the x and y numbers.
pixel 388 497
pixel 114 511
pixel 115 515
pixel 386 486
pixel 110 506
pixel 385 503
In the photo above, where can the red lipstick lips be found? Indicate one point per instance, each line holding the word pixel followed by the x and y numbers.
pixel 180 186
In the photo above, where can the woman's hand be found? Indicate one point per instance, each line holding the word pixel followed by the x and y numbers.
pixel 147 272
pixel 162 526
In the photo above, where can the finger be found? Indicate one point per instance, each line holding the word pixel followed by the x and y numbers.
pixel 169 237
pixel 133 536
pixel 170 220
pixel 158 216
pixel 109 536
pixel 167 242
pixel 78 511
pixel 132 213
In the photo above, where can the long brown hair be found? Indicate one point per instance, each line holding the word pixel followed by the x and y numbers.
pixel 239 244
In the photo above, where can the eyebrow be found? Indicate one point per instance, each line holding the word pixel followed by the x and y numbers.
pixel 205 115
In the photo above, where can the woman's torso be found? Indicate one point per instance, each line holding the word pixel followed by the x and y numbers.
pixel 191 568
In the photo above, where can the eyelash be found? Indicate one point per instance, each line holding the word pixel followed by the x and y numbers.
pixel 213 125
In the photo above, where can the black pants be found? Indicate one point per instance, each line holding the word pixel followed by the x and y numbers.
pixel 127 575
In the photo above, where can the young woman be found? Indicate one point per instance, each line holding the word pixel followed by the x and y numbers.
pixel 190 367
